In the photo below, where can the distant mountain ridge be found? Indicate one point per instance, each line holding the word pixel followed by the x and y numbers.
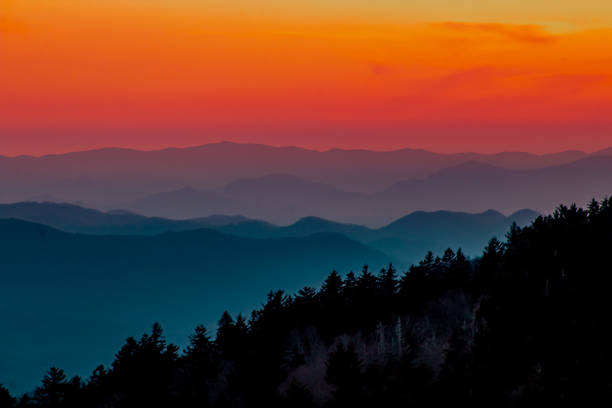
pixel 78 219
pixel 276 198
pixel 468 187
pixel 107 176
pixel 406 238
pixel 475 186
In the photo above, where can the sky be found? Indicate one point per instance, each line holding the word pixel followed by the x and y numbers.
pixel 443 75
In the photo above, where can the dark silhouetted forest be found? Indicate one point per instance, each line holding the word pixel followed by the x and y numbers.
pixel 525 324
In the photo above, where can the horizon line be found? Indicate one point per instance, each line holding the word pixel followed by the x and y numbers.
pixel 310 149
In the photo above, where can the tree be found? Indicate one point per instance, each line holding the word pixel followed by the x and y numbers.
pixel 458 272
pixel 332 287
pixel 367 284
pixel 200 367
pixel 99 376
pixel 52 392
pixel 305 295
pixel 201 354
pixel 98 386
pixel 448 257
pixel 225 332
pixel 305 307
pixel 418 285
pixel 428 260
pixel 344 372
pixel 593 208
pixel 387 281
pixel 241 326
pixel 489 266
pixel 199 344
pixel 231 335
pixel 143 371
pixel 6 399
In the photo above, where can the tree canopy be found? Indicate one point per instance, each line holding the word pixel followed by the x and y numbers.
pixel 525 324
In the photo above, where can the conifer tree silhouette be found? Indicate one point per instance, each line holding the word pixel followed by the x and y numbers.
pixel 52 392
pixel 6 399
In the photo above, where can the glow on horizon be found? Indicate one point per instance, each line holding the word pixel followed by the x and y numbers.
pixel 77 74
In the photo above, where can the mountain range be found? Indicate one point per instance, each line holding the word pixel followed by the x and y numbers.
pixel 175 235
pixel 406 239
pixel 78 219
pixel 469 187
pixel 105 177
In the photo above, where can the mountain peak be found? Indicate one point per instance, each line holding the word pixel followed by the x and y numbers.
pixel 603 152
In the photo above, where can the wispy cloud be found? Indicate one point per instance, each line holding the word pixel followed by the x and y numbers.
pixel 532 34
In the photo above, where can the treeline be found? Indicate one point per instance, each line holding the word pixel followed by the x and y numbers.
pixel 526 324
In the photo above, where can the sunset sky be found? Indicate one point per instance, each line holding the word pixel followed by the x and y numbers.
pixel 444 75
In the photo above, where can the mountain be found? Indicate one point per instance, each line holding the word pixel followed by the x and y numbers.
pixel 276 198
pixel 477 187
pixel 603 152
pixel 71 299
pixel 469 187
pixel 74 218
pixel 409 237
pixel 406 238
pixel 103 177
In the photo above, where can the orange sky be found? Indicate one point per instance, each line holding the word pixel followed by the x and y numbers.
pixel 78 74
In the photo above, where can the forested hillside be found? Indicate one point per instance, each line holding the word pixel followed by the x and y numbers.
pixel 525 324
pixel 71 299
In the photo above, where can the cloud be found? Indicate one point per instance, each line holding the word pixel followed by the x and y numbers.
pixel 531 34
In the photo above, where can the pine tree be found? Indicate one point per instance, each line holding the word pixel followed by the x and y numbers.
pixel 387 281
pixel 332 287
pixel 350 286
pixel 428 260
pixel 594 208
pixel 143 370
pixel 366 284
pixel 6 399
pixel 226 333
pixel 52 393
pixel 199 343
pixel 489 266
pixel 226 320
pixel 200 366
pixel 448 257
pixel 242 329
pixel 305 295
pixel 458 271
